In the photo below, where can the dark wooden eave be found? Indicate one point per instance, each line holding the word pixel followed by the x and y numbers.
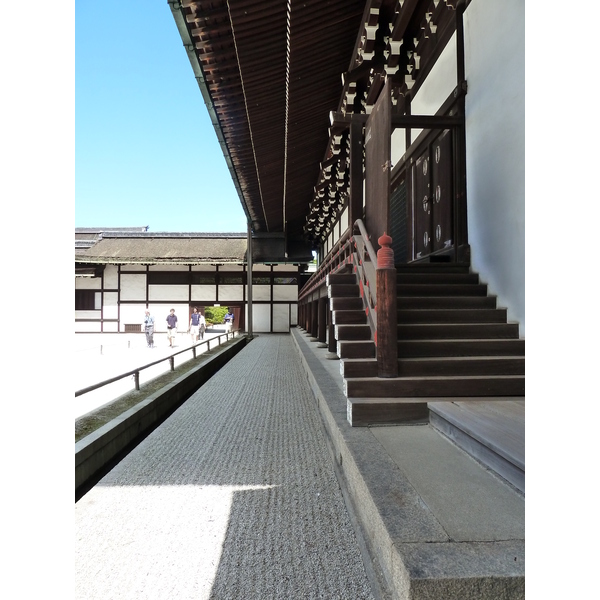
pixel 272 72
pixel 273 76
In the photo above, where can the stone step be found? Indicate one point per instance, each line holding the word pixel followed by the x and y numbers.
pixel 433 268
pixel 343 290
pixel 437 366
pixel 355 349
pixel 348 303
pixel 419 387
pixel 362 412
pixel 437 278
pixel 343 278
pixel 348 317
pixel 451 315
pixel 491 430
pixel 457 331
pixel 352 332
pixel 446 302
pixel 446 289
pixel 470 347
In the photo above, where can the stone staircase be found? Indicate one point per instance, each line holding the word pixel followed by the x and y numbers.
pixel 454 346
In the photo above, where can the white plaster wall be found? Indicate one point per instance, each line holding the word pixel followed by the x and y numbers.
pixel 495 129
pixel 133 287
pixel 261 317
pixel 87 327
pixel 110 308
pixel 207 293
pixel 260 292
pixel 87 314
pixel 336 234
pixel 344 224
pixel 398 146
pixel 133 314
pixel 88 283
pixel 293 314
pixel 111 279
pixel 281 318
pixel 168 292
pixel 440 83
pixel 231 293
pixel 285 292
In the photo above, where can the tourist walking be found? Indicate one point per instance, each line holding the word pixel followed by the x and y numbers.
pixel 228 320
pixel 149 329
pixel 195 325
pixel 171 327
pixel 202 326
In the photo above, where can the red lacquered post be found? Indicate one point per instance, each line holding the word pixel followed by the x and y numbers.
pixel 387 319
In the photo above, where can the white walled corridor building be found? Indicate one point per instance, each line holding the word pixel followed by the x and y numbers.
pixel 119 272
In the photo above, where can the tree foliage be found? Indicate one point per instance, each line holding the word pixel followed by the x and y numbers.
pixel 215 314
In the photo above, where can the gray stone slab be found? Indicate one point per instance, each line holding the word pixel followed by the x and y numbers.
pixel 469 501
pixel 475 570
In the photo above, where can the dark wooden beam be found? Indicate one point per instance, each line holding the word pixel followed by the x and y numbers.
pixel 404 19
pixel 403 121
pixel 356 171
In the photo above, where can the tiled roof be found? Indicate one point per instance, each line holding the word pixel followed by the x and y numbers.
pixel 118 247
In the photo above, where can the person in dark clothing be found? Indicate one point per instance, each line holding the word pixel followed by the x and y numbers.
pixel 195 325
pixel 228 320
pixel 171 327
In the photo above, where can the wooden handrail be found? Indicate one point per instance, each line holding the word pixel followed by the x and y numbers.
pixel 370 250
pixel 366 267
pixel 376 277
pixel 317 278
pixel 343 247
pixel 136 372
pixel 365 262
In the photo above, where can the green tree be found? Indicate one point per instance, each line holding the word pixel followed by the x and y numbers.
pixel 215 314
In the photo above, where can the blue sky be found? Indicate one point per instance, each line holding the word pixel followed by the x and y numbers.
pixel 146 152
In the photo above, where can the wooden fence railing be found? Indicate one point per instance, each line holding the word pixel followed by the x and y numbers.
pixel 377 279
pixel 171 358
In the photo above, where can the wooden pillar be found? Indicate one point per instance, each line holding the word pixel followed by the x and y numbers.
pixel 387 318
pixel 331 342
pixel 314 320
pixel 249 304
pixel 307 316
pixel 378 136
pixel 322 321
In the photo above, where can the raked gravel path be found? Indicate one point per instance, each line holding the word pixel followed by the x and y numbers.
pixel 233 497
